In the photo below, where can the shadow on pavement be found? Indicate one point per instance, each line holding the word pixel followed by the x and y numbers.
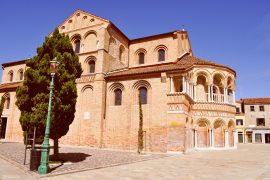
pixel 70 157
pixel 67 158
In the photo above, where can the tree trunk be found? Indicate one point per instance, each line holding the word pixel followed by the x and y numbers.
pixel 55 148
pixel 140 132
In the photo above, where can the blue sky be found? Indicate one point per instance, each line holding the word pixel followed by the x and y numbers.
pixel 235 33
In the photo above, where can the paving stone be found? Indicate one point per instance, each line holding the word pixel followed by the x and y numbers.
pixel 249 161
pixel 81 158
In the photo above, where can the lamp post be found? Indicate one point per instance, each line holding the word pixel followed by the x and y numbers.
pixel 44 165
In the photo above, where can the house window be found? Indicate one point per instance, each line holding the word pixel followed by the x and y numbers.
pixel 161 55
pixel 260 122
pixel 77 46
pixel 258 138
pixel 237 110
pixel 141 58
pixel 118 97
pixel 261 108
pixel 21 75
pixel 92 67
pixel 7 102
pixel 239 122
pixel 252 108
pixel 143 95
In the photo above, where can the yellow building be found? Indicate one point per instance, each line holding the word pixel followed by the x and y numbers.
pixel 188 102
pixel 253 120
pixel 240 122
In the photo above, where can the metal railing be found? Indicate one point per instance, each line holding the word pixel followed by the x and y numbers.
pixel 203 97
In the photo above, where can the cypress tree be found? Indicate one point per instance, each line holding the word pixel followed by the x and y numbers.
pixel 33 96
pixel 2 103
pixel 140 132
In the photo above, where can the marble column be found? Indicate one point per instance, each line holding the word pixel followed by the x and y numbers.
pixel 213 138
pixel 210 137
pixel 194 93
pixel 253 138
pixel 227 97
pixel 209 93
pixel 234 139
pixel 263 138
pixel 171 84
pixel 212 93
pixel 191 90
pixel 233 97
pixel 226 139
pixel 188 88
pixel 184 84
pixel 195 139
pixel 224 95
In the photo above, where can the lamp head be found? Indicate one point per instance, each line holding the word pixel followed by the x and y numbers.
pixel 54 66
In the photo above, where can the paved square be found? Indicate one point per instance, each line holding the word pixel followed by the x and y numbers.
pixel 80 158
pixel 249 161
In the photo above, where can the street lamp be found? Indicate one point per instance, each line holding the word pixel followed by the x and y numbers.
pixel 44 162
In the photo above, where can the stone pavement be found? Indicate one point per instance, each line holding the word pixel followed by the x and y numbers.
pixel 9 171
pixel 79 158
pixel 250 161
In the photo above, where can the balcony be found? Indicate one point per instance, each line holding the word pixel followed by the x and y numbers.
pixel 217 98
pixel 200 92
pixel 181 97
pixel 179 102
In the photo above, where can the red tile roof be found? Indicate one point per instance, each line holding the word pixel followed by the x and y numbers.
pixel 256 101
pixel 7 64
pixel 9 86
pixel 180 64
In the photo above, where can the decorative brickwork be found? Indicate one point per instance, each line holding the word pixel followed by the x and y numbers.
pixel 183 96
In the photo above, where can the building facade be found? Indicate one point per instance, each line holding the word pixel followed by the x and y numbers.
pixel 240 122
pixel 188 103
pixel 253 120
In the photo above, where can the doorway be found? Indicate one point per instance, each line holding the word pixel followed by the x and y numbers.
pixel 240 137
pixel 267 138
pixel 249 137
pixel 3 128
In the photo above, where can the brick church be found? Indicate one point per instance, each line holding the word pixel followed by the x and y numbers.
pixel 188 103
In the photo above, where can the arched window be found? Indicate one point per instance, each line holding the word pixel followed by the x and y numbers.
pixel 161 55
pixel 92 66
pixel 90 41
pixel 141 58
pixel 77 46
pixel 11 76
pixel 7 102
pixel 143 95
pixel 21 75
pixel 118 97
pixel 121 53
pixel 112 45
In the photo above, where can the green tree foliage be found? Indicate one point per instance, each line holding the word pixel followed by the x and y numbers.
pixel 2 103
pixel 140 132
pixel 33 96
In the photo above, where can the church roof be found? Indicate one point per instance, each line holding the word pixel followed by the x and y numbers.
pixel 12 63
pixel 185 62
